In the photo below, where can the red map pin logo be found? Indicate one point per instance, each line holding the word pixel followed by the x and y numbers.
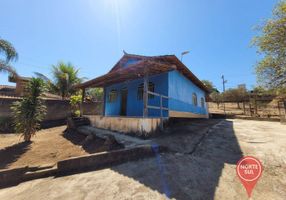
pixel 249 170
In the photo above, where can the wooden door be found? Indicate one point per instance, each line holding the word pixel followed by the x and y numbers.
pixel 123 95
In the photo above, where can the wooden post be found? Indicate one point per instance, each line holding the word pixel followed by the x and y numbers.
pixel 283 118
pixel 282 111
pixel 284 108
pixel 82 100
pixel 250 111
pixel 83 94
pixel 279 111
pixel 284 102
pixel 145 95
pixel 103 103
pixel 255 106
pixel 161 113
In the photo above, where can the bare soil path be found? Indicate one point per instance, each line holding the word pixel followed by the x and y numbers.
pixel 47 147
pixel 206 173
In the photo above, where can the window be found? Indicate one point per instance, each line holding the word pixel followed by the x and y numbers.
pixel 195 99
pixel 151 88
pixel 202 102
pixel 112 96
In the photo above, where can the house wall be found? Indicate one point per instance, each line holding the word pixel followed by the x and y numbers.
pixel 172 84
pixel 180 92
pixel 134 105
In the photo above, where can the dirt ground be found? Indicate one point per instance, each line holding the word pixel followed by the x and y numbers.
pixel 205 171
pixel 46 148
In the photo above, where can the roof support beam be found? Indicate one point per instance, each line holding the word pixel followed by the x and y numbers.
pixel 103 103
pixel 145 93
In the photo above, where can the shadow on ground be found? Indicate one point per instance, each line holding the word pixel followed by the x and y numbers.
pixel 181 175
pixel 12 153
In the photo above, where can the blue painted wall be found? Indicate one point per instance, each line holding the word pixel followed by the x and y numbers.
pixel 180 92
pixel 134 105
pixel 172 84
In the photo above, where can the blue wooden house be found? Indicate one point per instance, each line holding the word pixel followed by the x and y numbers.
pixel 151 87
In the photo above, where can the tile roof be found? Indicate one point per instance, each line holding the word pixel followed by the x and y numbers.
pixel 132 66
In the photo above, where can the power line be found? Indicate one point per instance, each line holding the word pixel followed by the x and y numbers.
pixel 241 75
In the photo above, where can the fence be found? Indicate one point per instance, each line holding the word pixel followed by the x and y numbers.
pixel 161 107
pixel 274 108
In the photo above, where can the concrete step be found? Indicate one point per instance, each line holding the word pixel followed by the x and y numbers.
pixel 77 122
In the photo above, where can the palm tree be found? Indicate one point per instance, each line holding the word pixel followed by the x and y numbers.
pixel 10 54
pixel 30 111
pixel 65 75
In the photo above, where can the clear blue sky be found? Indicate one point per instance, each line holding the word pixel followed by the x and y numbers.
pixel 91 34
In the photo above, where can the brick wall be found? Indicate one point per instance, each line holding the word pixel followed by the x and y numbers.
pixel 56 109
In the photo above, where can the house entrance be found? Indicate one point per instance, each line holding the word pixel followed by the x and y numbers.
pixel 123 95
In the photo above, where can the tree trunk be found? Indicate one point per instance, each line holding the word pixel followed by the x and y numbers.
pixel 27 137
pixel 238 105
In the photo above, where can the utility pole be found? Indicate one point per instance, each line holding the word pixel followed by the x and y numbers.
pixel 223 85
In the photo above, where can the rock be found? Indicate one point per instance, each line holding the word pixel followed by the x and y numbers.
pixel 88 139
pixel 70 123
pixel 112 142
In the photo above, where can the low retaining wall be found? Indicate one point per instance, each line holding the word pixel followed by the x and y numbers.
pixel 11 177
pixel 139 126
pixel 104 159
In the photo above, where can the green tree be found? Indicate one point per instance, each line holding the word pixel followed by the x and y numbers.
pixel 216 97
pixel 65 76
pixel 214 93
pixel 261 91
pixel 271 43
pixel 209 85
pixel 30 111
pixel 95 94
pixel 235 95
pixel 10 54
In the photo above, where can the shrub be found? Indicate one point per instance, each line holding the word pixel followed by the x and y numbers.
pixel 75 101
pixel 30 111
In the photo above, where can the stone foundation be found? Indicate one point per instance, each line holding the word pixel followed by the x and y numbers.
pixel 138 126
